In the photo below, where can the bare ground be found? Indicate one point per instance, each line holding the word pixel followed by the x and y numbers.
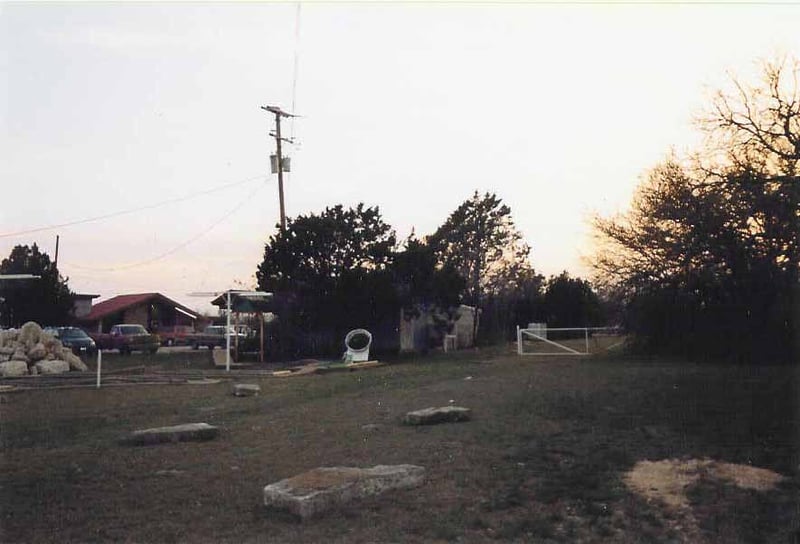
pixel 544 460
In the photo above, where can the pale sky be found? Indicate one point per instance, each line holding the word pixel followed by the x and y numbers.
pixel 558 108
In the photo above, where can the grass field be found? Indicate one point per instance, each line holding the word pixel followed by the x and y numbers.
pixel 542 461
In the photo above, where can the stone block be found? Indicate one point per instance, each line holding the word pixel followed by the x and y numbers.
pixel 74 361
pixel 245 390
pixel 444 414
pixel 322 489
pixel 37 353
pixel 178 433
pixel 30 333
pixel 13 368
pixel 52 367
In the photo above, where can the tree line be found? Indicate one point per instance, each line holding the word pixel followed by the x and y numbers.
pixel 705 262
pixel 344 268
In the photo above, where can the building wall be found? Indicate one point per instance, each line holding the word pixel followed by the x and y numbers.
pixel 464 327
pixel 81 307
pixel 137 315
pixel 420 334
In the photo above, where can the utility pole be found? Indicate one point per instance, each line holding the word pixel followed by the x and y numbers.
pixel 279 162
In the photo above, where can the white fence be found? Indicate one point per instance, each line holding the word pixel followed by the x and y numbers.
pixel 568 340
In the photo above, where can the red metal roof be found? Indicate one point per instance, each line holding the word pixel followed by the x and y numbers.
pixel 121 302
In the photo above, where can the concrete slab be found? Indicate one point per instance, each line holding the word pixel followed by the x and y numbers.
pixel 322 489
pixel 203 381
pixel 178 433
pixel 444 414
pixel 246 390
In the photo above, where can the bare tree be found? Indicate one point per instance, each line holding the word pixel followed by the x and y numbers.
pixel 708 256
pixel 758 126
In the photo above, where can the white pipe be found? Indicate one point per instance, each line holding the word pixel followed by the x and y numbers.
pixel 228 337
pixel 99 364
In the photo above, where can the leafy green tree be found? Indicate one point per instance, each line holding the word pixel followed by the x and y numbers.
pixel 334 267
pixel 480 241
pixel 421 282
pixel 571 302
pixel 316 250
pixel 46 300
pixel 707 256
pixel 520 303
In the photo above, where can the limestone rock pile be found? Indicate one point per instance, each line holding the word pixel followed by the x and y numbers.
pixel 30 350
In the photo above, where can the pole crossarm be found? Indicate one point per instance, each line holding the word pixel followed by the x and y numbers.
pixel 278 140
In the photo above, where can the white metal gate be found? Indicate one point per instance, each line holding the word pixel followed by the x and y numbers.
pixel 568 340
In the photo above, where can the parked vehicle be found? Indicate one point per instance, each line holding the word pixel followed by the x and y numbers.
pixel 175 336
pixel 127 338
pixel 74 338
pixel 213 336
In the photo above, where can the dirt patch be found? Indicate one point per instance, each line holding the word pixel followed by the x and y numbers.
pixel 667 480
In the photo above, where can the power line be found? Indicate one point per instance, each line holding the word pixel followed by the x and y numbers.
pixel 183 244
pixel 132 210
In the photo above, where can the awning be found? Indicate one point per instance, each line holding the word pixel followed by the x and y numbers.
pixel 246 301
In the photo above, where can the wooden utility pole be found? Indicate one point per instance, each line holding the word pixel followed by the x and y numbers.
pixel 279 162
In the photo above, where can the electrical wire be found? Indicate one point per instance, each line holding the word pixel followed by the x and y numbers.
pixel 183 244
pixel 131 210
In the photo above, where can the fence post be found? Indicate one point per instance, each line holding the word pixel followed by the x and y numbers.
pixel 586 332
pixel 99 364
pixel 519 342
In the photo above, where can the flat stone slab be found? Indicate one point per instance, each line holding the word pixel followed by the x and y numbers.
pixel 178 433
pixel 52 367
pixel 444 414
pixel 203 381
pixel 246 390
pixel 321 489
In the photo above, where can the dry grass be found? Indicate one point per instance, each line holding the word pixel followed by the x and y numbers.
pixel 543 460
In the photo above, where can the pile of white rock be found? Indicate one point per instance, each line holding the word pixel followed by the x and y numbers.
pixel 31 351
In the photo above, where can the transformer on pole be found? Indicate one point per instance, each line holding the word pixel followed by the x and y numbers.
pixel 278 162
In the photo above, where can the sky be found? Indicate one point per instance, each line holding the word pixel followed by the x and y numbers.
pixel 133 131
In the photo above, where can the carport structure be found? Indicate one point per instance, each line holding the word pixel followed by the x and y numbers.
pixel 236 302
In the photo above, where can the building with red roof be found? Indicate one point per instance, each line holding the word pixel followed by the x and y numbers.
pixel 153 311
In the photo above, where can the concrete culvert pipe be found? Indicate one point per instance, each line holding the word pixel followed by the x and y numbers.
pixel 357 343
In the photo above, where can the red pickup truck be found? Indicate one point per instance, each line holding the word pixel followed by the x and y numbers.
pixel 127 338
pixel 176 335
